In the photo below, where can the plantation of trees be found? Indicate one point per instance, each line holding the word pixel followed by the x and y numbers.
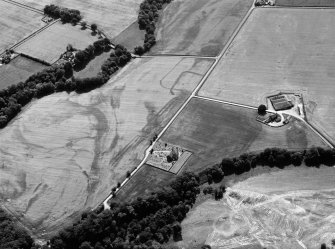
pixel 66 15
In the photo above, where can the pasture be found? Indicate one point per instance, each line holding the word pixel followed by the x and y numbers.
pixel 290 50
pixel 19 69
pixel 16 23
pixel 278 208
pixel 305 3
pixel 64 152
pixel 51 43
pixel 112 16
pixel 131 37
pixel 213 130
pixel 93 67
pixel 198 27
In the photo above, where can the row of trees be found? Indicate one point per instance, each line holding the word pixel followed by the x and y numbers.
pixel 147 19
pixel 272 157
pixel 143 223
pixel 11 236
pixel 66 15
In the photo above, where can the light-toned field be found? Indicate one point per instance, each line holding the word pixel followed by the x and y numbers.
pixel 291 208
pixel 282 50
pixel 198 27
pixel 51 42
pixel 306 3
pixel 213 130
pixel 19 69
pixel 65 152
pixel 112 16
pixel 16 23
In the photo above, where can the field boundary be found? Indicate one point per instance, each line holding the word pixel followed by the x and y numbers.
pixel 16 45
pixel 295 7
pixel 24 6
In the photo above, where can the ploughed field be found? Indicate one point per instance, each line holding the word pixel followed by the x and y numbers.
pixel 198 27
pixel 16 23
pixel 65 152
pixel 212 131
pixel 284 49
pixel 19 69
pixel 49 44
pixel 290 208
pixel 112 16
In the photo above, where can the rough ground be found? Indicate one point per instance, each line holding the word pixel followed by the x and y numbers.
pixel 291 208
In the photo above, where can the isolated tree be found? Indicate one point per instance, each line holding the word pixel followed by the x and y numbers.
pixel 323 246
pixel 261 109
pixel 94 27
pixel 83 24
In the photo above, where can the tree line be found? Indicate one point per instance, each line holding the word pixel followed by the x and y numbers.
pixel 66 15
pixel 272 157
pixel 147 19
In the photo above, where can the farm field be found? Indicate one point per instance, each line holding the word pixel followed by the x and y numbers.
pixel 112 16
pixel 280 49
pixel 305 3
pixel 289 208
pixel 198 27
pixel 19 69
pixel 16 23
pixel 65 152
pixel 93 67
pixel 51 43
pixel 131 37
pixel 147 180
pixel 213 130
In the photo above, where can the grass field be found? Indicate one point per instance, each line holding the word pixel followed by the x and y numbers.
pixel 112 16
pixel 65 152
pixel 93 67
pixel 212 131
pixel 131 37
pixel 51 43
pixel 198 27
pixel 16 23
pixel 147 180
pixel 306 3
pixel 19 69
pixel 281 50
pixel 289 208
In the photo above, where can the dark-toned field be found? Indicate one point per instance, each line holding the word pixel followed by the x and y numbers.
pixel 306 3
pixel 19 69
pixel 146 180
pixel 93 67
pixel 198 27
pixel 212 131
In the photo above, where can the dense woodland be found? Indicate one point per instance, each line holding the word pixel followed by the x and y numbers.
pixel 11 235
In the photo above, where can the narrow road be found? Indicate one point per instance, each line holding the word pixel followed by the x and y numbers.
pixel 226 102
pixel 179 56
pixel 193 94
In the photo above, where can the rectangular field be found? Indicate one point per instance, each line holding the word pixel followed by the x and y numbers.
pixel 113 16
pixel 198 27
pixel 65 152
pixel 305 3
pixel 288 50
pixel 19 69
pixel 51 42
pixel 16 23
pixel 212 130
